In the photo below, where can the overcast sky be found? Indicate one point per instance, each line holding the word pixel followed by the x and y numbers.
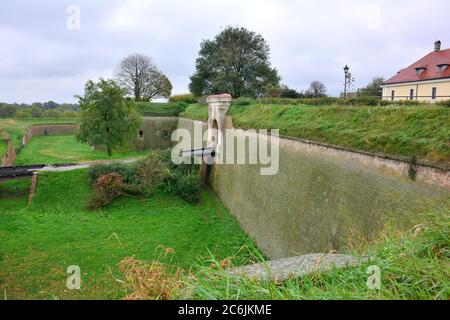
pixel 42 59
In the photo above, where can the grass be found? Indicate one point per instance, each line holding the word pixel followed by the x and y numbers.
pixel 416 131
pixel 64 149
pixel 413 264
pixel 152 109
pixel 40 242
pixel 196 112
pixel 16 128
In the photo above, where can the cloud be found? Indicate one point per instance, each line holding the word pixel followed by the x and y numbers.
pixel 309 40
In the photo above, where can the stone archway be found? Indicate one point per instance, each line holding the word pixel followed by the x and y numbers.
pixel 218 106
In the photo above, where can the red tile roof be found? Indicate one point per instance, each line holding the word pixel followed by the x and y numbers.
pixel 429 62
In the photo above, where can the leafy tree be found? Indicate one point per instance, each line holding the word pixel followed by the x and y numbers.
pixel 139 76
pixel 316 90
pixel 50 105
pixel 272 91
pixel 36 112
pixel 236 62
pixel 373 89
pixel 7 111
pixel 289 93
pixel 106 116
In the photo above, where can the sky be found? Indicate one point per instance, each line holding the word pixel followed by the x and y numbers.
pixel 48 51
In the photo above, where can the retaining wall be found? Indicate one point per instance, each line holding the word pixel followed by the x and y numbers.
pixel 156 132
pixel 9 158
pixel 323 198
pixel 49 129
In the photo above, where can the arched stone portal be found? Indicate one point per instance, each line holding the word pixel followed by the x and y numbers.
pixel 218 106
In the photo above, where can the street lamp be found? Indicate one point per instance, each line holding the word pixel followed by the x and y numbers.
pixel 346 69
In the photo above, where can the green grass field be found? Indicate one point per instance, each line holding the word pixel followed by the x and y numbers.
pixel 16 128
pixel 65 149
pixel 39 242
pixel 412 131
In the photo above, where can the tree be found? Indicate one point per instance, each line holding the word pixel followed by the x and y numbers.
pixel 7 111
pixel 50 105
pixel 290 93
pixel 236 62
pixel 316 90
pixel 106 116
pixel 373 89
pixel 139 76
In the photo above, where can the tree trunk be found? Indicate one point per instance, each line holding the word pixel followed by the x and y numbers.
pixel 109 150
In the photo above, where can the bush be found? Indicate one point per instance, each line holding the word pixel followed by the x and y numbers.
pixel 151 174
pixel 445 103
pixel 129 173
pixel 187 98
pixel 187 187
pixel 166 157
pixel 107 188
pixel 157 171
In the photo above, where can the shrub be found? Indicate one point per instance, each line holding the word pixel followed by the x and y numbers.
pixel 151 173
pixel 187 187
pixel 107 188
pixel 127 172
pixel 188 98
pixel 150 281
pixel 445 103
pixel 180 107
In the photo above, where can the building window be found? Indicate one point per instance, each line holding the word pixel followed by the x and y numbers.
pixel 434 93
pixel 420 70
pixel 442 67
pixel 141 134
pixel 411 94
pixel 392 95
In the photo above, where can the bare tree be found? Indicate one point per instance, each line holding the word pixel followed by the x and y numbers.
pixel 317 89
pixel 140 77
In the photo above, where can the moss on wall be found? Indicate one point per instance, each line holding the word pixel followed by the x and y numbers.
pixel 317 203
pixel 156 133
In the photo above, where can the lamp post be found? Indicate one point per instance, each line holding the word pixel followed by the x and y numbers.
pixel 346 69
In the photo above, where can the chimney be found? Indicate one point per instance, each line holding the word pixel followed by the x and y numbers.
pixel 437 46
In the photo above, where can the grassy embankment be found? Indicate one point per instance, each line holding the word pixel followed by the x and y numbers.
pixel 413 264
pixel 39 242
pixel 153 109
pixel 416 131
pixel 16 128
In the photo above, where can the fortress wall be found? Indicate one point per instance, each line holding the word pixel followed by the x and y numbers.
pixel 9 158
pixel 323 198
pixel 157 132
pixel 49 129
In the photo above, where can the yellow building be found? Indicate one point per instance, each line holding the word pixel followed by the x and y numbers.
pixel 426 80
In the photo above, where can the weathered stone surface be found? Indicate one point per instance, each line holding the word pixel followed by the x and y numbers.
pixel 296 267
pixel 320 198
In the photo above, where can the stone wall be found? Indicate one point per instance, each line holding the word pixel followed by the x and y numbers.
pixel 9 158
pixel 49 129
pixel 322 197
pixel 155 133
